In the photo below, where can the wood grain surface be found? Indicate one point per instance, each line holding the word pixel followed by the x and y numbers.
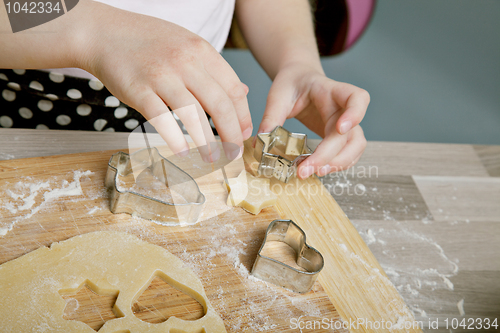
pixel 220 250
pixel 400 219
pixel 356 283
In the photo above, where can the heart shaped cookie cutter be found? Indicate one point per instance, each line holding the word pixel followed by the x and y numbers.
pixel 136 204
pixel 281 274
pixel 280 152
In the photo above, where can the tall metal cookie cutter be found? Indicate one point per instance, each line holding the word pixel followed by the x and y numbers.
pixel 292 145
pixel 276 272
pixel 136 204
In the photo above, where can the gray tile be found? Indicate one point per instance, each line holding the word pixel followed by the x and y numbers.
pixel 480 292
pixel 473 246
pixel 490 157
pixel 425 159
pixel 377 197
pixel 436 264
pixel 461 198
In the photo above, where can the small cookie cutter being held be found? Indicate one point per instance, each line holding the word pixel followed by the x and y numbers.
pixel 292 145
pixel 276 272
pixel 136 204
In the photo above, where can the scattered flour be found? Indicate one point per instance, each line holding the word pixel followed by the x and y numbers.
pixel 460 306
pixel 371 237
pixel 361 187
pixel 414 280
pixel 264 307
pixel 5 156
pixel 93 210
pixel 403 315
pixel 33 197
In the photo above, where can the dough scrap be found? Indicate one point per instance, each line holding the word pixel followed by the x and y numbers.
pixel 250 193
pixel 32 284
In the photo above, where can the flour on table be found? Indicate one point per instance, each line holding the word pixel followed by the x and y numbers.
pixel 402 314
pixel 414 281
pixel 5 156
pixel 257 293
pixel 28 197
pixel 460 306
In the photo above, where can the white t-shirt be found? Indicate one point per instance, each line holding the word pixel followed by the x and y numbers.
pixel 209 19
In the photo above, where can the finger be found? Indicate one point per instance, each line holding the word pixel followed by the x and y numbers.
pixel 158 115
pixel 237 91
pixel 356 160
pixel 194 119
pixel 246 88
pixel 219 106
pixel 349 155
pixel 331 145
pixel 278 106
pixel 355 102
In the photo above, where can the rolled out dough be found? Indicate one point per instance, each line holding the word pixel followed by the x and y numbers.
pixel 32 285
pixel 250 193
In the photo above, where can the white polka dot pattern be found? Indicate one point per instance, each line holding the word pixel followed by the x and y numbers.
pixel 83 110
pixel 74 94
pixel 36 85
pixel 6 121
pixel 25 113
pixel 99 124
pixel 131 124
pixel 111 101
pixel 52 97
pixel 121 112
pixel 8 95
pixel 45 105
pixel 63 120
pixel 96 85
pixel 38 98
pixel 56 77
pixel 14 86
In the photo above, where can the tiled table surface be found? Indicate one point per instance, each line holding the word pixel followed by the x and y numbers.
pixel 430 213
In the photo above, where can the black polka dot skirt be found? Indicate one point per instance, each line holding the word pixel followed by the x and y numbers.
pixel 42 100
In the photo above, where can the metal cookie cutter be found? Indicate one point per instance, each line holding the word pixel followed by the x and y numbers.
pixel 274 271
pixel 292 148
pixel 177 213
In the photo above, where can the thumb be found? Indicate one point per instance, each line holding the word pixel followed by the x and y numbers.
pixel 279 105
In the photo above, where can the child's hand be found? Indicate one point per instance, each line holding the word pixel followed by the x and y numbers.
pixel 149 63
pixel 331 109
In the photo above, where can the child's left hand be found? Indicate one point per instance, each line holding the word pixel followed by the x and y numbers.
pixel 329 108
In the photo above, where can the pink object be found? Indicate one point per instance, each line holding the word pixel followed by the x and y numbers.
pixel 359 13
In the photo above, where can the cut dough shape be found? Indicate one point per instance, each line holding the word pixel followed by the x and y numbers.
pixel 250 193
pixel 94 313
pixel 32 285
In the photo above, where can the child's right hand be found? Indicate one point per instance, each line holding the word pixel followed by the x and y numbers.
pixel 149 63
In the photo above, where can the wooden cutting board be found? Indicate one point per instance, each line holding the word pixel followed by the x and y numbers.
pixel 50 199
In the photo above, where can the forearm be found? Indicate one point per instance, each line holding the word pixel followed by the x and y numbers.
pixel 279 33
pixel 58 43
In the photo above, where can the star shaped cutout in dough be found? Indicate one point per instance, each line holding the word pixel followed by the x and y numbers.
pixel 250 193
pixel 85 304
